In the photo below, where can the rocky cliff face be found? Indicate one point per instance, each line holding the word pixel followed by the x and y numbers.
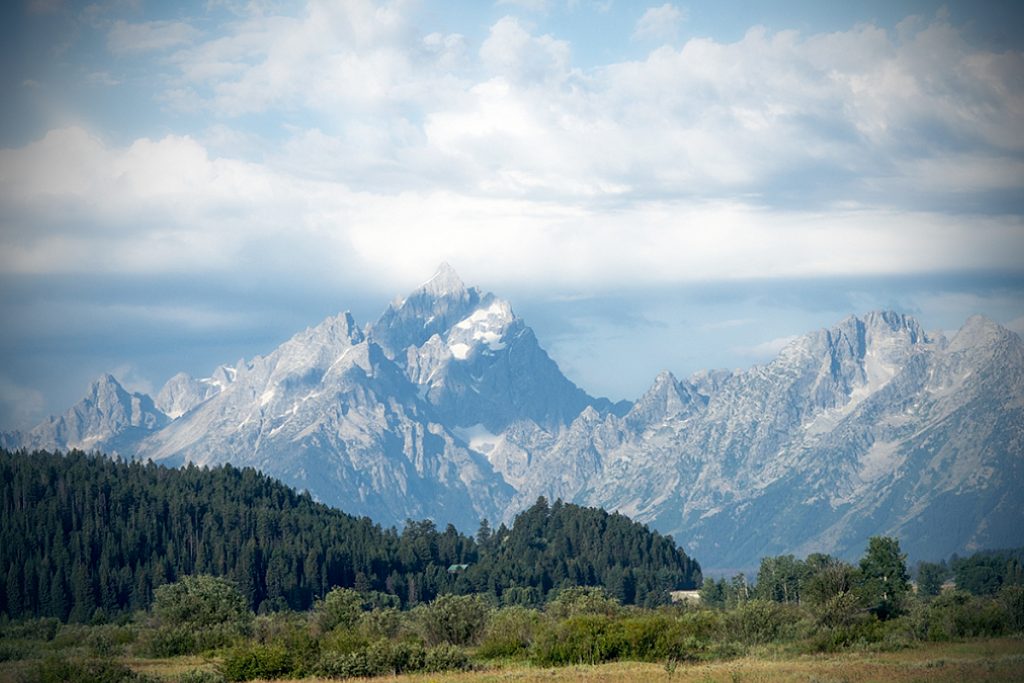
pixel 109 419
pixel 447 407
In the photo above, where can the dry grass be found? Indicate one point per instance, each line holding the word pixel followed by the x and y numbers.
pixel 982 661
pixel 978 661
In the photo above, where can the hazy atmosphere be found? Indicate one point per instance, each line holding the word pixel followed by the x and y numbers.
pixel 673 186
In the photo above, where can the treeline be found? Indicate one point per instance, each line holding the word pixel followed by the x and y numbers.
pixel 879 584
pixel 85 537
pixel 983 573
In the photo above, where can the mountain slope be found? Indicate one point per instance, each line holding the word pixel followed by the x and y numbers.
pixel 109 418
pixel 869 427
pixel 447 407
pixel 329 412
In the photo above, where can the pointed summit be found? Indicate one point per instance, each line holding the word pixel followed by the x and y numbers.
pixel 444 282
pixel 979 332
pixel 666 398
pixel 436 305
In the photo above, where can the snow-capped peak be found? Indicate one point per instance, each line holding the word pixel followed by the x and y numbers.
pixel 484 326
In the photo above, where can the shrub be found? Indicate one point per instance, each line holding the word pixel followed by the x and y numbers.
pixel 569 602
pixel 651 637
pixel 583 639
pixel 453 619
pixel 200 676
pixel 509 632
pixel 961 615
pixel 446 658
pixel 1011 599
pixel 173 641
pixel 343 641
pixel 201 602
pixel 256 661
pixel 81 671
pixel 31 629
pixel 386 622
pixel 762 621
pixel 344 664
pixel 196 614
pixel 340 607
pixel 386 658
pixel 703 625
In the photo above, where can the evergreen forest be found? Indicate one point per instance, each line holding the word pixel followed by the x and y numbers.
pixel 87 537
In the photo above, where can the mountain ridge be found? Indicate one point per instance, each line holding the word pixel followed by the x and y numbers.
pixel 447 407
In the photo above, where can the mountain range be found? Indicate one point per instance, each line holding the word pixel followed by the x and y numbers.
pixel 448 408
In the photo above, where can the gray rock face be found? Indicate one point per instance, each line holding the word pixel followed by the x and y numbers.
pixel 108 419
pixel 474 360
pixel 448 408
pixel 870 427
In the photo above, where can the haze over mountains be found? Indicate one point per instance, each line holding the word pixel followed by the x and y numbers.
pixel 447 407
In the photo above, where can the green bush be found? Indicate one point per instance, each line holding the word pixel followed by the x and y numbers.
pixel 962 615
pixel 762 621
pixel 453 619
pixel 446 658
pixel 386 622
pixel 703 625
pixel 81 671
pixel 569 602
pixel 509 632
pixel 582 639
pixel 291 631
pixel 652 637
pixel 12 652
pixel 344 664
pixel 340 607
pixel 201 602
pixel 196 614
pixel 256 661
pixel 1011 599
pixel 31 629
pixel 173 641
pixel 343 641
pixel 384 657
pixel 200 676
pixel 108 640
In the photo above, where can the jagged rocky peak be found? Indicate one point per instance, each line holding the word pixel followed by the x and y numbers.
pixel 444 282
pixel 108 400
pixel 667 398
pixel 183 392
pixel 897 324
pixel 980 332
pixel 431 309
pixel 106 413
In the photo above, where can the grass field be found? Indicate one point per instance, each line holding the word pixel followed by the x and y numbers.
pixel 976 661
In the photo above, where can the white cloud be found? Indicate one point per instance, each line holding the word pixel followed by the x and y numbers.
pixel 159 206
pixel 778 155
pixel 659 24
pixel 864 116
pixel 333 59
pixel 150 36
pixel 512 52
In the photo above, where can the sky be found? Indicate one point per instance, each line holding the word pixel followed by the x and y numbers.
pixel 653 186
